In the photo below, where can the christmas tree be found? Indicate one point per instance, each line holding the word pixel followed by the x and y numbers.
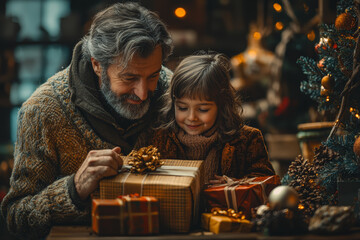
pixel 332 81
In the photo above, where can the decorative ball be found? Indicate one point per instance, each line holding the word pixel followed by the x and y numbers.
pixel 327 82
pixel 356 147
pixel 283 197
pixel 321 64
pixel 345 21
pixel 324 92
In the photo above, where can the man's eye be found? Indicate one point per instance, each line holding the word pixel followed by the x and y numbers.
pixel 130 79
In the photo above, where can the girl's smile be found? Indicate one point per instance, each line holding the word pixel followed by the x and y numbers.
pixel 195 116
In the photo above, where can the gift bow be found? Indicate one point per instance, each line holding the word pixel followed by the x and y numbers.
pixel 230 189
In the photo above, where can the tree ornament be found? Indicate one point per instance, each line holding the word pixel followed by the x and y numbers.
pixel 356 147
pixel 321 64
pixel 345 21
pixel 327 82
pixel 283 197
pixel 324 92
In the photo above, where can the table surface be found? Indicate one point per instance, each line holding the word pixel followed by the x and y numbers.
pixel 85 232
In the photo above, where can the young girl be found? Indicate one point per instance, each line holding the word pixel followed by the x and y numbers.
pixel 201 120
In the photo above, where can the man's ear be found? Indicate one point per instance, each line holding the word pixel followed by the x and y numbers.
pixel 96 66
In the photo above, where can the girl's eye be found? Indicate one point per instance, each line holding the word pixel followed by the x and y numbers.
pixel 182 109
pixel 203 110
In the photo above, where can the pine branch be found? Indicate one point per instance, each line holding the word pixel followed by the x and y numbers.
pixel 353 82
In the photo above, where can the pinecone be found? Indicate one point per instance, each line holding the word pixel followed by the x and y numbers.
pixel 304 180
pixel 322 155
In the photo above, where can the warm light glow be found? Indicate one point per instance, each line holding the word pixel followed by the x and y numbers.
pixel 351 109
pixel 257 35
pixel 306 7
pixel 311 35
pixel 327 98
pixel 252 53
pixel 277 7
pixel 357 116
pixel 300 206
pixel 180 12
pixel 279 26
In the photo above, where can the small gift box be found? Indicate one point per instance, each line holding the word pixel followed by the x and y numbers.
pixel 125 215
pixel 143 215
pixel 219 224
pixel 108 217
pixel 176 185
pixel 241 195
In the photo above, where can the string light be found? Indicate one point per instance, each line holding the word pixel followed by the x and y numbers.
pixel 300 207
pixel 277 7
pixel 180 12
pixel 311 35
pixel 327 98
pixel 279 26
pixel 257 35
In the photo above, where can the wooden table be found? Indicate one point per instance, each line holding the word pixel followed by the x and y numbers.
pixel 84 232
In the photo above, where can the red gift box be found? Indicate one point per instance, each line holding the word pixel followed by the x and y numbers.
pixel 243 194
pixel 143 215
pixel 126 215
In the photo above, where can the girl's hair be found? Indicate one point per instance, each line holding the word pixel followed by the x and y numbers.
pixel 204 76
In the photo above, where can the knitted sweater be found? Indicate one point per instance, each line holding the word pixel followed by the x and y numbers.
pixel 244 156
pixel 54 137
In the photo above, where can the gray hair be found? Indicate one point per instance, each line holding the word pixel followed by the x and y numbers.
pixel 125 29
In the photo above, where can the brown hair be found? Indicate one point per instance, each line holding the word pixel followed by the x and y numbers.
pixel 206 77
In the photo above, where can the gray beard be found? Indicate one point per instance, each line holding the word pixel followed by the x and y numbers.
pixel 119 103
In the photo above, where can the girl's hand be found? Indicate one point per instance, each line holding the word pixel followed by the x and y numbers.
pixel 220 180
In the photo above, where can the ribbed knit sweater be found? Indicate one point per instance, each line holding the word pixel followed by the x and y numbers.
pixel 54 136
pixel 243 156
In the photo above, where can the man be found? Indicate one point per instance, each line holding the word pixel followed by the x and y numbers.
pixel 73 128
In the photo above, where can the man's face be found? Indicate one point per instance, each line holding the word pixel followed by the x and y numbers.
pixel 129 90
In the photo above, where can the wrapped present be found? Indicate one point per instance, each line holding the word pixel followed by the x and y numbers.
pixel 126 215
pixel 108 217
pixel 219 224
pixel 241 195
pixel 176 185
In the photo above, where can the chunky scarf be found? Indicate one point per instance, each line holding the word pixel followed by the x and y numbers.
pixel 200 147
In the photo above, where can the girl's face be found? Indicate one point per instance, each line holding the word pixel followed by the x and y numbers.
pixel 195 116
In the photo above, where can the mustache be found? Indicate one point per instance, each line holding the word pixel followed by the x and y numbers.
pixel 135 97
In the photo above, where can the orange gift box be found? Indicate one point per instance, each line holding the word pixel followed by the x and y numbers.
pixel 125 215
pixel 241 195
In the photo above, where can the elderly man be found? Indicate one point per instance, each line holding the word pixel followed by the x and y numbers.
pixel 73 128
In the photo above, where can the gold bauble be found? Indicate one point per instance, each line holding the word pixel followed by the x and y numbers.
pixel 345 21
pixel 324 92
pixel 283 197
pixel 356 147
pixel 327 82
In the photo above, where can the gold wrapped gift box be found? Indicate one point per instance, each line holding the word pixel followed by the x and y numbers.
pixel 176 185
pixel 221 224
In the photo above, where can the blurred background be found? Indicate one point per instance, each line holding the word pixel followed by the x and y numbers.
pixel 263 39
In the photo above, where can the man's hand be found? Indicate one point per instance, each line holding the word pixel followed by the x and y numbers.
pixel 97 165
